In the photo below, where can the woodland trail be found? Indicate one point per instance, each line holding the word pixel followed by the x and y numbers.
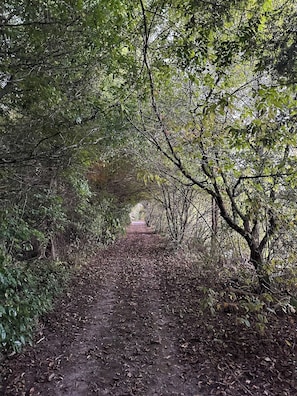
pixel 122 342
pixel 131 324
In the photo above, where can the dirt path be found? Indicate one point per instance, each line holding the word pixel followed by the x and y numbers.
pixel 131 324
pixel 122 341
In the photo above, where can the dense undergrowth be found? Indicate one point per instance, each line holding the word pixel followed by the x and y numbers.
pixel 27 291
pixel 228 282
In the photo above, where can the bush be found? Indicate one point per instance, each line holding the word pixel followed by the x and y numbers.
pixel 26 291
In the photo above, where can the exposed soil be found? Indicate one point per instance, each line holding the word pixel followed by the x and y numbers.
pixel 131 324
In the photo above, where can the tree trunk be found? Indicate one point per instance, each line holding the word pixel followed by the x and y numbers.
pixel 256 259
pixel 214 223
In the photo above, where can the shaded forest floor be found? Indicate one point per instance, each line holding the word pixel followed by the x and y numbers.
pixel 131 324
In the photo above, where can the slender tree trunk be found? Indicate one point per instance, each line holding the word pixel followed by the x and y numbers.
pixel 214 223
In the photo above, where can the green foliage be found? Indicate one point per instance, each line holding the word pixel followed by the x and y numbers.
pixel 26 291
pixel 100 223
pixel 47 213
pixel 16 233
pixel 278 46
pixel 245 308
pixel 95 211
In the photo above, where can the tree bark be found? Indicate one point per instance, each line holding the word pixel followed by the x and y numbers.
pixel 214 223
pixel 256 258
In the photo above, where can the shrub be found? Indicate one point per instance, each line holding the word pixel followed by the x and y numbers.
pixel 26 291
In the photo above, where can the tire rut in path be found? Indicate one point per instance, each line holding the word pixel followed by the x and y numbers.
pixel 128 343
pixel 79 372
